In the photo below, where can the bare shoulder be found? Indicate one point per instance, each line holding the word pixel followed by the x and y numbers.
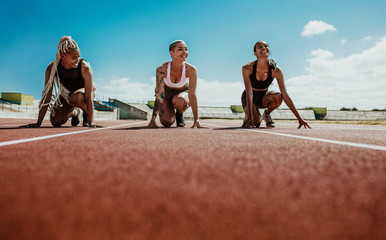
pixel 191 70
pixel 247 67
pixel 162 68
pixel 49 67
pixel 86 66
pixel 190 67
pixel 277 71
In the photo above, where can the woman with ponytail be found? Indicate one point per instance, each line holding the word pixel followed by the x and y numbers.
pixel 258 75
pixel 68 87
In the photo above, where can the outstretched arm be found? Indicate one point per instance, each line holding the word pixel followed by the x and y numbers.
pixel 248 89
pixel 159 91
pixel 43 105
pixel 89 92
pixel 192 95
pixel 277 73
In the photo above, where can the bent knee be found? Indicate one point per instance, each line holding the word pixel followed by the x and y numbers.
pixel 57 123
pixel 180 104
pixel 167 123
pixel 278 98
pixel 78 99
pixel 167 120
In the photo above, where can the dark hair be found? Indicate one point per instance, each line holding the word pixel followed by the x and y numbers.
pixel 173 44
pixel 261 41
pixel 270 61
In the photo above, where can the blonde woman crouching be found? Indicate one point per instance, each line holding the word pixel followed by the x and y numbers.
pixel 72 82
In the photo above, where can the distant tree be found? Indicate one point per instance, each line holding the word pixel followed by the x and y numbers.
pixel 348 109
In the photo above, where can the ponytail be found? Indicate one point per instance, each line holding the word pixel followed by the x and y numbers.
pixel 66 44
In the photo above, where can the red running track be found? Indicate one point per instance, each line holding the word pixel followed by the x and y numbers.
pixel 129 182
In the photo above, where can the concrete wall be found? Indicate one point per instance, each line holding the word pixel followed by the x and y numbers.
pixel 32 111
pixel 142 111
pixel 129 111
pixel 355 115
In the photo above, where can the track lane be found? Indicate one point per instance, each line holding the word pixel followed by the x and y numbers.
pixel 299 136
pixel 216 183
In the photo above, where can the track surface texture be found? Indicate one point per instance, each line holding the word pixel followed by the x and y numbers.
pixel 129 182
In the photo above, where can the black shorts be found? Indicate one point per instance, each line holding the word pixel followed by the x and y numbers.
pixel 171 92
pixel 257 98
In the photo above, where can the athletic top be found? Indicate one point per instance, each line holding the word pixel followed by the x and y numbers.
pixel 256 84
pixel 71 79
pixel 184 80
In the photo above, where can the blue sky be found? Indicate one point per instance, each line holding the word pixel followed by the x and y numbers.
pixel 339 62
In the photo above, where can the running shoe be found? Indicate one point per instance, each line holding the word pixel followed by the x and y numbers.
pixel 75 119
pixel 268 120
pixel 85 120
pixel 180 120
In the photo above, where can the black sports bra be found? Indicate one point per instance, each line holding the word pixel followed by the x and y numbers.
pixel 256 84
pixel 71 79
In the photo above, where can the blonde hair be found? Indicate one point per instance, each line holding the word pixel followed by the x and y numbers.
pixel 174 43
pixel 66 45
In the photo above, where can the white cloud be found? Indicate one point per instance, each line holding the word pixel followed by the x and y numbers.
pixel 219 93
pixel 368 38
pixel 124 89
pixel 316 27
pixel 358 80
pixel 322 54
pixel 343 41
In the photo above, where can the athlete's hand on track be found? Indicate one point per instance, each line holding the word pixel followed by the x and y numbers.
pixel 303 123
pixel 197 124
pixel 92 125
pixel 152 124
pixel 247 124
pixel 31 125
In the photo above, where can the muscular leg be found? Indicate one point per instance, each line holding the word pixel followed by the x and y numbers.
pixel 255 112
pixel 78 98
pixel 61 114
pixel 166 114
pixel 272 100
pixel 256 116
pixel 181 102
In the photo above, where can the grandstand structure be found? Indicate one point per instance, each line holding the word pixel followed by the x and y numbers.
pixel 18 105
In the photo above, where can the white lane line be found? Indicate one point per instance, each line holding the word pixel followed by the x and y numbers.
pixel 6 143
pixel 362 145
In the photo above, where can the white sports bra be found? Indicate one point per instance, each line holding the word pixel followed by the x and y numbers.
pixel 181 83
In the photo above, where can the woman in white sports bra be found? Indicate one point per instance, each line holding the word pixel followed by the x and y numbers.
pixel 175 91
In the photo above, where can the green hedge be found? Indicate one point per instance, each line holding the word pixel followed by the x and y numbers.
pixel 150 104
pixel 237 108
pixel 320 112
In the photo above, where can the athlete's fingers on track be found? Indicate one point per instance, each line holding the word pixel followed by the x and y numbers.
pixel 31 125
pixel 152 125
pixel 197 124
pixel 305 126
pixel 95 126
